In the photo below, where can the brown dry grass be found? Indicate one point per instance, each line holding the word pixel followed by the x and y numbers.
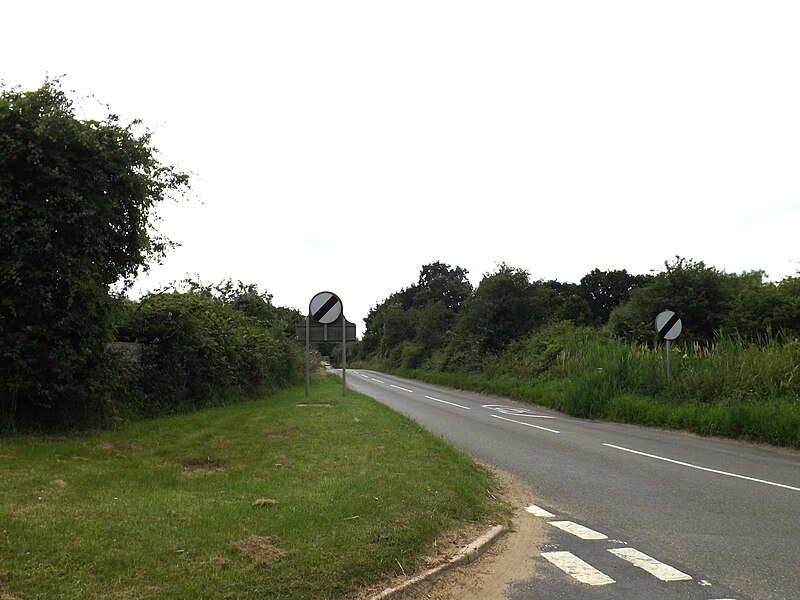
pixel 260 550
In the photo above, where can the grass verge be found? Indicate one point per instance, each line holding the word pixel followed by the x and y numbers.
pixel 597 394
pixel 275 498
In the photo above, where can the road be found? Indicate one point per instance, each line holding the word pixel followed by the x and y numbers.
pixel 664 514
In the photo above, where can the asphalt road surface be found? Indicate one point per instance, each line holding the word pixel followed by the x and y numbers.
pixel 633 512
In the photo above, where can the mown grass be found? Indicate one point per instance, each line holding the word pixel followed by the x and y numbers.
pixel 732 389
pixel 262 499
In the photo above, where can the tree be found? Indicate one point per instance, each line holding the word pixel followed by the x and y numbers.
pixel 76 200
pixel 505 306
pixel 605 290
pixel 701 295
pixel 440 283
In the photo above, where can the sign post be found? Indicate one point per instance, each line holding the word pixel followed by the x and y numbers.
pixel 668 326
pixel 325 309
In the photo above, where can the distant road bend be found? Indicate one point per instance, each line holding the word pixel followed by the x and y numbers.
pixel 634 512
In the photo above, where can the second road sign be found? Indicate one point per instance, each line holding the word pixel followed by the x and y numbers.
pixel 668 325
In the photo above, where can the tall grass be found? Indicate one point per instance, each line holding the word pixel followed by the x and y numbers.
pixel 732 388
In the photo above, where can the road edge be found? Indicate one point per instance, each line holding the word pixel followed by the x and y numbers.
pixel 468 555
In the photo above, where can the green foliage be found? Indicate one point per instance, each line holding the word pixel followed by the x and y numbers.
pixel 505 306
pixel 423 314
pixel 440 284
pixel 761 309
pixel 200 348
pixel 701 295
pixel 605 290
pixel 76 198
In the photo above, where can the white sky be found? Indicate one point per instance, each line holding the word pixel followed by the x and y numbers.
pixel 342 145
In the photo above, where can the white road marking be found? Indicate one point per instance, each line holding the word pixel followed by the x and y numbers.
pixel 402 388
pixel 699 468
pixel 378 380
pixel 519 412
pixel 539 511
pixel 575 567
pixel 578 530
pixel 526 424
pixel 651 565
pixel 364 376
pixel 446 402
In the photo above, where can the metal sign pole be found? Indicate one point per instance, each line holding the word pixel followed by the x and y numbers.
pixel 344 356
pixel 669 365
pixel 308 353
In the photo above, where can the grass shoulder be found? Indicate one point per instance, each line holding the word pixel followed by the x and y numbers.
pixel 284 497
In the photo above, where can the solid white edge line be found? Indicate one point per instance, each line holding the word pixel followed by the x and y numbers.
pixel 577 530
pixel 402 388
pixel 699 468
pixel 446 402
pixel 538 511
pixel 651 565
pixel 526 424
pixel 577 568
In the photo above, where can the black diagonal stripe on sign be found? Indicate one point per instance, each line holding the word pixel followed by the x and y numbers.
pixel 326 307
pixel 669 324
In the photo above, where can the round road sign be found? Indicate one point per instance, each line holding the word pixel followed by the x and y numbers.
pixel 325 307
pixel 668 325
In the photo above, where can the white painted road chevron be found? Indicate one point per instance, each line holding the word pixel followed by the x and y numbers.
pixel 649 564
pixel 578 530
pixel 538 511
pixel 577 568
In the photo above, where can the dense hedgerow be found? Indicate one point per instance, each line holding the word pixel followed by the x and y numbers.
pixel 200 349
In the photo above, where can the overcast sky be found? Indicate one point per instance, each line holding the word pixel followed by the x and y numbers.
pixel 342 145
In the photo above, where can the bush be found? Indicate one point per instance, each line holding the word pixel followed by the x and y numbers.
pixel 199 350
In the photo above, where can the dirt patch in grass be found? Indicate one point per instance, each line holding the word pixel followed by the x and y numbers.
pixel 318 404
pixel 265 503
pixel 121 446
pixel 260 550
pixel 199 467
pixel 59 484
pixel 276 435
pixel 5 592
pixel 218 563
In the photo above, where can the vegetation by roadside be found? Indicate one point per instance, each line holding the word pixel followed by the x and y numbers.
pixel 276 498
pixel 732 388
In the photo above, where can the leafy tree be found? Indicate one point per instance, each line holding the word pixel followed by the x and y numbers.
pixel 605 290
pixel 505 306
pixel 76 201
pixel 567 303
pixel 440 283
pixel 701 295
pixel 420 314
pixel 761 311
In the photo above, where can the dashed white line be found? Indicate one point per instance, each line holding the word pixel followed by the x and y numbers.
pixel 526 424
pixel 364 376
pixel 538 511
pixel 378 380
pixel 401 388
pixel 575 567
pixel 699 468
pixel 446 402
pixel 577 530
pixel 649 564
